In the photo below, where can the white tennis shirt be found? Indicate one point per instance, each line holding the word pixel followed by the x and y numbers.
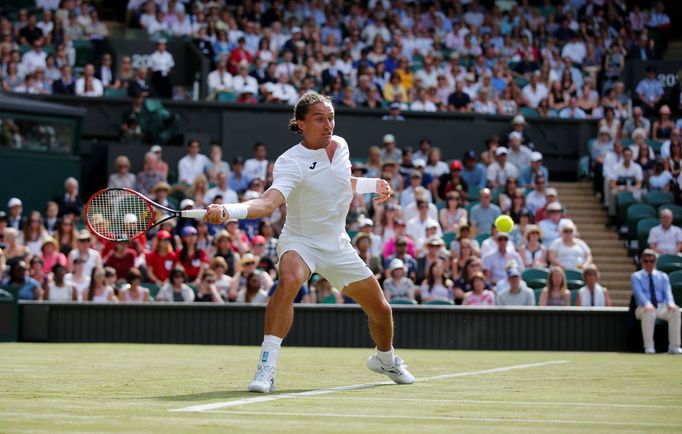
pixel 318 195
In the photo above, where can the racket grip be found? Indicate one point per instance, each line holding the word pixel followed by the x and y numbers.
pixel 196 214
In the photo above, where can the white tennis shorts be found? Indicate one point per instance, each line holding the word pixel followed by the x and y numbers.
pixel 341 267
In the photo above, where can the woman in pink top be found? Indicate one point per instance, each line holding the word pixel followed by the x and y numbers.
pixel 51 255
pixel 479 296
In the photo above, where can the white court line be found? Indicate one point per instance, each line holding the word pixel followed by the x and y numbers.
pixel 267 398
pixel 447 418
pixel 470 401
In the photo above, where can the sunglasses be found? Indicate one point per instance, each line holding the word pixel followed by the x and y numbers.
pixel 249 263
pixel 648 261
pixel 210 281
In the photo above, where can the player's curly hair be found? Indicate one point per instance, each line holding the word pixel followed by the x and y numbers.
pixel 302 107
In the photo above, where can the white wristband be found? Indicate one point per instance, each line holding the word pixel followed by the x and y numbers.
pixel 366 185
pixel 236 210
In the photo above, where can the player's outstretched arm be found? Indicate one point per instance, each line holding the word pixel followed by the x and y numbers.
pixel 264 206
pixel 372 185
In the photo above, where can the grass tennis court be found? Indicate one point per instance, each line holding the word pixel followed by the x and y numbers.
pixel 132 388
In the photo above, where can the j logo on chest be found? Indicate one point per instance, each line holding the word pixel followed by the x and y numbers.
pixel 313 165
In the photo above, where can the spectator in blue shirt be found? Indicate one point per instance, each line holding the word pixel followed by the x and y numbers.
pixel 654 298
pixel 484 213
pixel 28 287
pixel 528 174
pixel 473 172
pixel 238 180
pixel 650 91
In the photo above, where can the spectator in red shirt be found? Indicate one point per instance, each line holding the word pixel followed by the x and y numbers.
pixel 192 259
pixel 238 54
pixel 161 259
pixel 121 259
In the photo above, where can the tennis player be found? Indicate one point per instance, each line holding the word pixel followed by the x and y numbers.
pixel 314 179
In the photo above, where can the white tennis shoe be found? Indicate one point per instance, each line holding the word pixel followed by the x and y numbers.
pixel 264 380
pixel 397 372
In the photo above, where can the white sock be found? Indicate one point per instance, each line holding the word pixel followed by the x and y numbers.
pixel 270 350
pixel 386 357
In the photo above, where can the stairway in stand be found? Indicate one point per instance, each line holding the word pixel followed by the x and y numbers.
pixel 608 252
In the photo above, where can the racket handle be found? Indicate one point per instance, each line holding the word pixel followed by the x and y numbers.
pixel 196 214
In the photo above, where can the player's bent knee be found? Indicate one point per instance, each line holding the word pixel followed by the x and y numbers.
pixel 381 312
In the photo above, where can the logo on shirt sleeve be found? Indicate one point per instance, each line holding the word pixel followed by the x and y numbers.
pixel 313 165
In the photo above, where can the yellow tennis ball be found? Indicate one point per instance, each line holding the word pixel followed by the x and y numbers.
pixel 504 223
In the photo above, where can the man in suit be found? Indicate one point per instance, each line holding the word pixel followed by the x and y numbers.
pixel 139 86
pixel 654 299
pixel 66 85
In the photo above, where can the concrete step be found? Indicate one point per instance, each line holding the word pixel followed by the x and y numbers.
pixel 591 234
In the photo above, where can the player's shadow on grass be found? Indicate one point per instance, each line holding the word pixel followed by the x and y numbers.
pixel 221 395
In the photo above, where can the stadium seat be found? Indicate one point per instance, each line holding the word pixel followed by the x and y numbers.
pixel 574 279
pixel 643 228
pixel 537 292
pixel 623 200
pixel 658 198
pixel 440 205
pixel 439 302
pixel 153 289
pixel 655 145
pixel 474 193
pixel 402 300
pixel 12 290
pixel 574 296
pixel 677 292
pixel 677 212
pixel 481 237
pixel 352 233
pixel 635 213
pixel 496 194
pixel 535 278
pixel 448 238
pixel 584 167
pixel 669 263
pixel 115 93
pixel 226 97
pixel 676 282
pixel 529 112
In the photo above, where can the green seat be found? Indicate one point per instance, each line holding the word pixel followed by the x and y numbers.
pixel 352 233
pixel 677 293
pixel 521 82
pixel 115 93
pixel 153 289
pixel 635 213
pixel 658 198
pixel 655 145
pixel 643 228
pixel 536 283
pixel 574 279
pixel 530 274
pixel 623 200
pixel 676 283
pixel 440 205
pixel 402 300
pixel 14 292
pixel 481 237
pixel 470 205
pixel 669 263
pixel 226 97
pixel 439 302
pixel 677 212
pixel 537 292
pixel 574 296
pixel 474 193
pixel 448 238
pixel 590 145
pixel 496 194
pixel 529 112
pixel 583 167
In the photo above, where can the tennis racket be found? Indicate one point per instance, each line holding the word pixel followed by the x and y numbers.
pixel 122 214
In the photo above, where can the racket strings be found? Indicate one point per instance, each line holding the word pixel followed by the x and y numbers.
pixel 118 215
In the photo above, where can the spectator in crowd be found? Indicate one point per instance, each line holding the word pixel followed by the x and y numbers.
pixel 650 92
pixel 495 262
pixel 534 91
pixel 660 179
pixel 238 180
pixel 70 202
pixel 325 292
pixel 193 164
pixel 27 287
pixel 253 292
pixel 88 84
pixel 501 169
pixel 207 291
pixel 537 199
pixel 393 112
pixel 33 234
pixel 58 289
pixel 80 280
pixel 223 190
pixel 665 238
pixel 592 294
pixel 14 218
pixel 133 292
pixel 257 167
pixel 66 83
pixel 161 259
pixel 568 251
pixel 219 80
pixel 665 151
pixel 175 290
pixel 226 285
pixel 636 121
pixel 533 170
pixel 216 164
pixel 363 243
pixel 436 285
pixel 625 176
pixel 473 173
pixel 122 178
pixel 664 125
pixel 452 215
pixel 105 74
pixel 139 86
pixel 121 258
pixel 51 220
pixel 484 213
pixel 479 295
pixel 51 255
pixel 149 176
pixel 399 248
pixel 416 226
pixel 84 251
pixel 161 63
pixel 533 252
pixel 397 284
pixel 518 294
pixel 556 292
pixel 572 111
pixel 518 155
pixel 551 226
pixel 654 299
pixel 99 291
pixel 433 252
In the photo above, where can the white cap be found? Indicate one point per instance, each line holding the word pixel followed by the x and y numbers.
pixel 155 148
pixel 566 224
pixel 186 202
pixel 15 201
pixel 295 30
pixel 419 162
pixel 519 119
pixel 362 222
pixel 515 135
pixel 605 130
pixel 130 218
pixel 389 138
pixel 250 194
pixel 501 150
pixel 535 156
pixel 396 264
